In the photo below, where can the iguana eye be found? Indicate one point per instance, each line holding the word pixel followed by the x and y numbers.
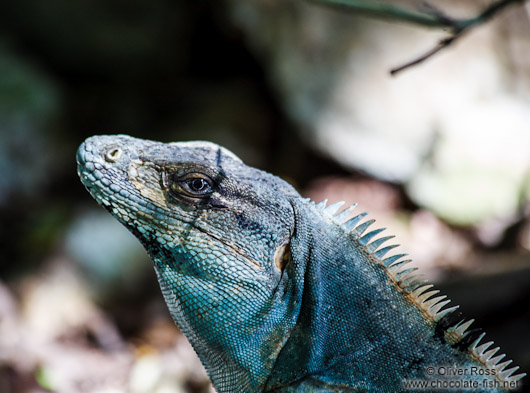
pixel 191 186
pixel 198 185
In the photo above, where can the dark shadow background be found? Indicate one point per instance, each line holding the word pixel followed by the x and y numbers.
pixel 169 71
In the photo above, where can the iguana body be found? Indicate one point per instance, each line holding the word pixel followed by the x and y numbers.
pixel 277 293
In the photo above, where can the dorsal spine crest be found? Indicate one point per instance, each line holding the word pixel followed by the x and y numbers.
pixel 416 290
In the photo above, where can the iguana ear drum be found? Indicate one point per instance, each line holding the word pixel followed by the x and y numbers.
pixel 282 256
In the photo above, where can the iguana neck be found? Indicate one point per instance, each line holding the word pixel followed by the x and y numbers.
pixel 238 351
pixel 344 316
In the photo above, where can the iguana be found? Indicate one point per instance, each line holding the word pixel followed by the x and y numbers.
pixel 277 293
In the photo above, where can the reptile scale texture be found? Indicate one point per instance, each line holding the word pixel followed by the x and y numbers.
pixel 277 293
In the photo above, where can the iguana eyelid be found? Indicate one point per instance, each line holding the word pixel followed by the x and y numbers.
pixel 186 184
pixel 179 186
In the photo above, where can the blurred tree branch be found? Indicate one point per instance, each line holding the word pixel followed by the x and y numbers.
pixel 429 17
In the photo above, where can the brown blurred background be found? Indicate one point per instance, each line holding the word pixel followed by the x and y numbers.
pixel 439 154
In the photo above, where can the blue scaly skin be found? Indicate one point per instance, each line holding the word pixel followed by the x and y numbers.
pixel 277 293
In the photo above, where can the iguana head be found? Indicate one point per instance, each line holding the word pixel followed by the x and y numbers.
pixel 217 230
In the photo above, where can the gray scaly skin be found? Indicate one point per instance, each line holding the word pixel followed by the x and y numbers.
pixel 277 293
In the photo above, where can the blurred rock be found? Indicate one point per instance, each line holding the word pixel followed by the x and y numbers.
pixel 41 341
pixel 112 257
pixel 453 129
pixel 432 245
pixel 56 304
pixel 369 194
pixel 172 370
pixel 9 322
pixel 480 165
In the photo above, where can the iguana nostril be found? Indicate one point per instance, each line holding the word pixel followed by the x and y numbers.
pixel 113 154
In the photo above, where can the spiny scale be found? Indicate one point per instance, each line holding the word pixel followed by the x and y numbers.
pixel 493 361
pixel 442 313
pixel 459 329
pixel 418 291
pixel 487 356
pixel 343 215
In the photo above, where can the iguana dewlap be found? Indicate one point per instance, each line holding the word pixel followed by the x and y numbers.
pixel 277 293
